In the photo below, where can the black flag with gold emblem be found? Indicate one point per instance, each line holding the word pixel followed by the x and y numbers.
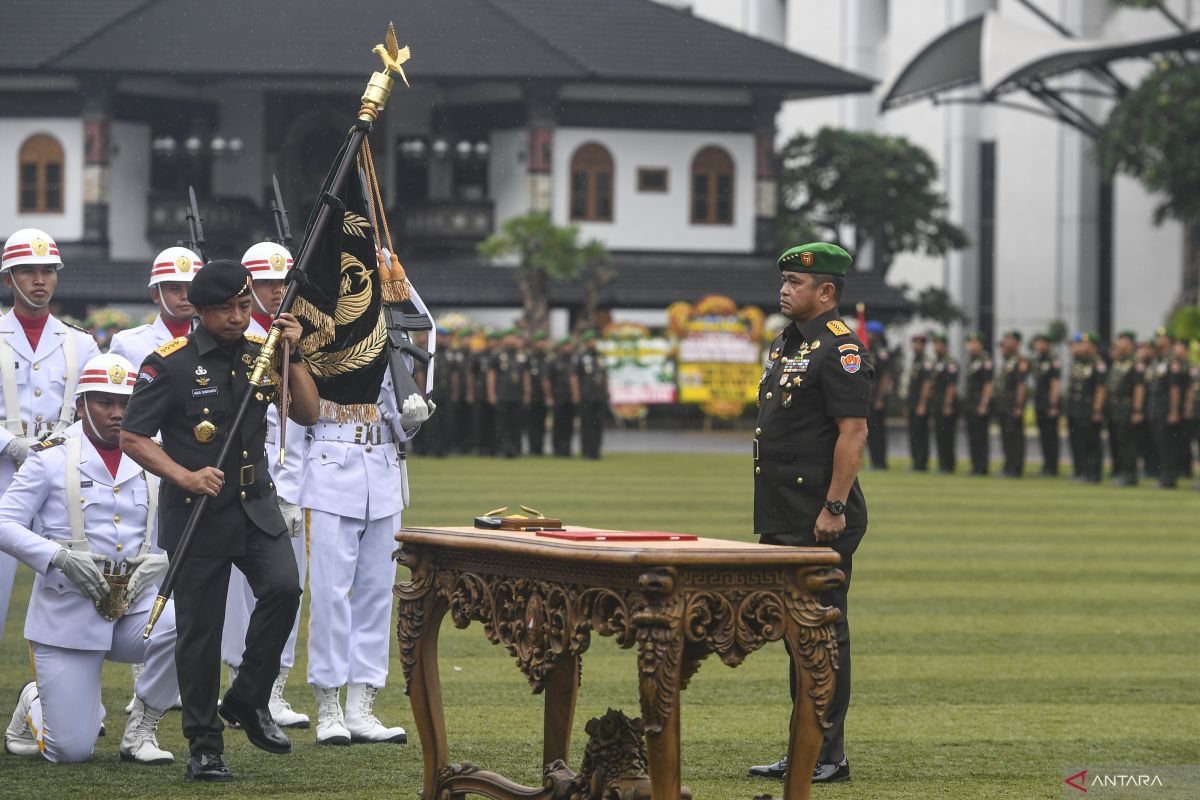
pixel 339 305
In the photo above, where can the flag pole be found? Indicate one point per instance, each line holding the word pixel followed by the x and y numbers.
pixel 374 98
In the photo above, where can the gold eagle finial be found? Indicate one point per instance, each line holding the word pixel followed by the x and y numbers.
pixel 393 57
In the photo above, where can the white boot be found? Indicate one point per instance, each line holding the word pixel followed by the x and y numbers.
pixel 137 670
pixel 139 742
pixel 331 725
pixel 19 738
pixel 285 716
pixel 361 721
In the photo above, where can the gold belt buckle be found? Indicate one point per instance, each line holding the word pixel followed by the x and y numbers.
pixel 360 434
pixel 116 603
pixel 248 469
pixel 756 449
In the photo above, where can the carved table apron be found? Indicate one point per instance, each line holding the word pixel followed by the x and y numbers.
pixel 675 601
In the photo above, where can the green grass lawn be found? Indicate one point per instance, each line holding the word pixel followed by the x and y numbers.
pixel 1003 631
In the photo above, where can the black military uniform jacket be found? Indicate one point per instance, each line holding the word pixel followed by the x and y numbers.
pixel 593 378
pixel 189 389
pixel 559 371
pixel 1045 369
pixel 510 367
pixel 918 374
pixel 814 373
pixel 944 375
pixel 1123 377
pixel 1013 372
pixel 979 375
pixel 1087 376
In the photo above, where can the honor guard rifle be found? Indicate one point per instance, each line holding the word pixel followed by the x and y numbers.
pixel 283 231
pixel 195 227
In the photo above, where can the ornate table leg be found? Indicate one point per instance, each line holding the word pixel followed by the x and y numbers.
pixel 659 631
pixel 562 689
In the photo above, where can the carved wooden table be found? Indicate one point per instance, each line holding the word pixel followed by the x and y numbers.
pixel 676 601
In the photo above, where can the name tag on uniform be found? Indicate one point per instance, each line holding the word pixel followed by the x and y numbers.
pixel 85 484
pixel 204 391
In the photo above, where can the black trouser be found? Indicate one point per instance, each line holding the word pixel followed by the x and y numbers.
pixel 1125 450
pixel 508 429
pixel 536 429
pixel 918 440
pixel 943 434
pixel 563 428
pixel 270 568
pixel 1085 447
pixel 1012 441
pixel 464 435
pixel 1147 448
pixel 977 442
pixel 591 429
pixel 1048 438
pixel 436 430
pixel 1167 449
pixel 833 748
pixel 877 437
pixel 483 428
pixel 1114 444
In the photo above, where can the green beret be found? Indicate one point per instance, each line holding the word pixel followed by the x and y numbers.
pixel 919 337
pixel 539 335
pixel 217 282
pixel 1013 334
pixel 1126 334
pixel 976 336
pixel 493 335
pixel 587 336
pixel 1041 337
pixel 822 257
pixel 940 337
pixel 562 341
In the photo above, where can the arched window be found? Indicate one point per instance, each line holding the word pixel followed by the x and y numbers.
pixel 592 184
pixel 712 187
pixel 40 176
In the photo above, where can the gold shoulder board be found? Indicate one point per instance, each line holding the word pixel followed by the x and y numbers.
pixel 250 337
pixel 46 445
pixel 837 327
pixel 171 346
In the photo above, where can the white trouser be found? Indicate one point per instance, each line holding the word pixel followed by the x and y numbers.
pixel 351 575
pixel 239 604
pixel 66 716
pixel 8 573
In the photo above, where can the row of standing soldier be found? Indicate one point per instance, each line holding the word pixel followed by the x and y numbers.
pixel 498 391
pixel 1147 399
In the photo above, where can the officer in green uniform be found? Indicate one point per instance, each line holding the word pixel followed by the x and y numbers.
pixel 978 401
pixel 881 391
pixel 589 392
pixel 943 402
pixel 483 413
pixel 508 392
pixel 1009 391
pixel 1191 408
pixel 919 375
pixel 1125 401
pixel 457 411
pixel 814 398
pixel 539 392
pixel 1085 407
pixel 559 372
pixel 190 389
pixel 1165 392
pixel 1147 356
pixel 1047 376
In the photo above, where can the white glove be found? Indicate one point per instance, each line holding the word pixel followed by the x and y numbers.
pixel 18 449
pixel 416 409
pixel 82 571
pixel 148 571
pixel 293 515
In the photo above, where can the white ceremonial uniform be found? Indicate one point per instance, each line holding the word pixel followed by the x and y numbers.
pixel 355 485
pixel 239 602
pixel 137 343
pixel 69 639
pixel 37 389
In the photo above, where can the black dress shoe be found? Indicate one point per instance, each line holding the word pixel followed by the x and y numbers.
pixel 208 767
pixel 260 727
pixel 776 770
pixel 831 773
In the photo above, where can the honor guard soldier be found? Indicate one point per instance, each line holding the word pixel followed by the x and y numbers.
pixel 1164 406
pixel 1047 377
pixel 943 402
pixel 1009 391
pixel 978 401
pixel 508 391
pixel 97 569
pixel 813 401
pixel 170 276
pixel 919 376
pixel 1124 402
pixel 189 390
pixel 539 392
pixel 881 363
pixel 269 264
pixel 589 392
pixel 1085 407
pixel 559 373
pixel 40 362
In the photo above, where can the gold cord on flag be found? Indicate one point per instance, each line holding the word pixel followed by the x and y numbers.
pixel 392 278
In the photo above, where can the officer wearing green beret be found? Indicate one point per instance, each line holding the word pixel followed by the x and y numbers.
pixel 589 391
pixel 1047 377
pixel 1125 400
pixel 943 402
pixel 978 401
pixel 189 390
pixel 919 377
pixel 558 373
pixel 539 392
pixel 1085 407
pixel 1165 394
pixel 483 413
pixel 1010 390
pixel 508 392
pixel 814 399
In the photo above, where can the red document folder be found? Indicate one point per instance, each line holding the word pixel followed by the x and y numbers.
pixel 618 536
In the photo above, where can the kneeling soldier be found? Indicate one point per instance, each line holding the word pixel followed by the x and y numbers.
pixel 96 568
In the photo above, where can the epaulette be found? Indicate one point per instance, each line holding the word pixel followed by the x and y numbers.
pixel 171 346
pixel 255 338
pixel 837 327
pixel 46 445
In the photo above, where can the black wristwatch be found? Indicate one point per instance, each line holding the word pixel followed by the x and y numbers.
pixel 835 507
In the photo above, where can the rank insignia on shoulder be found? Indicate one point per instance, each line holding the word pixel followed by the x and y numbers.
pixel 171 346
pixel 837 327
pixel 46 445
pixel 256 339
